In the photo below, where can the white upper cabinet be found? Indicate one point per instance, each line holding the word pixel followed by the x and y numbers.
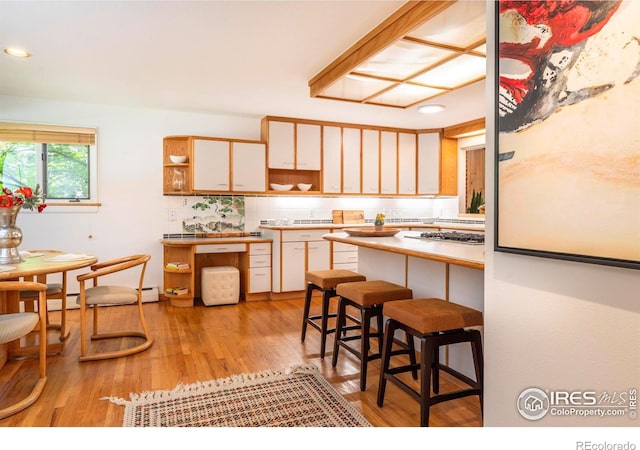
pixel 249 167
pixel 281 145
pixel 211 165
pixel 332 159
pixel 389 161
pixel 370 162
pixel 351 160
pixel 406 163
pixel 308 143
pixel 428 163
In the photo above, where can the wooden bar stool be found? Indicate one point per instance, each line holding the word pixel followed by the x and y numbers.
pixel 367 297
pixel 324 281
pixel 435 322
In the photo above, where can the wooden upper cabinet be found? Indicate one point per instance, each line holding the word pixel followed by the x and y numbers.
pixel 407 163
pixel 281 145
pixel 293 146
pixel 351 158
pixel 211 165
pixel 388 162
pixel 428 163
pixel 308 146
pixel 370 162
pixel 249 166
pixel 331 159
pixel 449 167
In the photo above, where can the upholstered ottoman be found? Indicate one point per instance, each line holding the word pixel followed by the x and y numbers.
pixel 220 285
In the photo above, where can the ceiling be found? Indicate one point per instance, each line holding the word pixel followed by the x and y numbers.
pixel 246 58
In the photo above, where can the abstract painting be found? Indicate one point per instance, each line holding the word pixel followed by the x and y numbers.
pixel 568 130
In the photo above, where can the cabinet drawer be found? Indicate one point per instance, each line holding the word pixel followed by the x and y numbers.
pixel 221 248
pixel 263 248
pixel 345 257
pixel 342 247
pixel 303 235
pixel 346 266
pixel 259 280
pixel 260 261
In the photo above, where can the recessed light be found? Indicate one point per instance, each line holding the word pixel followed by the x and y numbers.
pixel 430 109
pixel 17 52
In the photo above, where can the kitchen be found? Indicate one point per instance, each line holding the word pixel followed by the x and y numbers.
pixel 547 322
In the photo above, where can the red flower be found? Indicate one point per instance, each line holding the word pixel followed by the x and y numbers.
pixel 25 196
pixel 6 201
pixel 26 191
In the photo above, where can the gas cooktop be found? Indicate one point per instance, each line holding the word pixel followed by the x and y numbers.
pixel 452 236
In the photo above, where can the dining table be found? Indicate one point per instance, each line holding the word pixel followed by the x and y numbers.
pixel 37 265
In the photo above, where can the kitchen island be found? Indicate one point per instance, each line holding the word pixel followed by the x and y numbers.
pixel 451 271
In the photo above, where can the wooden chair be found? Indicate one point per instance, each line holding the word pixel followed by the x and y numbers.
pixel 55 291
pixel 101 295
pixel 16 325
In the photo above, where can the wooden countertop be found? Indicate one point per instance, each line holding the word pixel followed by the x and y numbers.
pixel 466 255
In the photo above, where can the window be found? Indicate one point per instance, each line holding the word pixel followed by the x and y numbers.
pixel 60 159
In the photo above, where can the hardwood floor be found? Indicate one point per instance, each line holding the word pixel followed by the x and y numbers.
pixel 203 343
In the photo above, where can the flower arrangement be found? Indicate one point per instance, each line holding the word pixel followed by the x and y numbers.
pixel 379 219
pixel 23 196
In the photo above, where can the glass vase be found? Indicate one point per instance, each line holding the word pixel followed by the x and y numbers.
pixel 10 235
pixel 178 180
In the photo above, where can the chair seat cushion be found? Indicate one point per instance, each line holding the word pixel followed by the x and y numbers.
pixel 110 295
pixel 329 279
pixel 14 326
pixel 52 289
pixel 374 292
pixel 429 315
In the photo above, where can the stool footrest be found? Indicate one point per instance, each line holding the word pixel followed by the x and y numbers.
pixel 458 375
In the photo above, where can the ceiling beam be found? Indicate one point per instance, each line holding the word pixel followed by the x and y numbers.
pixel 408 17
pixel 473 126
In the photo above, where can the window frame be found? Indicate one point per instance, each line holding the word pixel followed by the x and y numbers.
pixel 47 134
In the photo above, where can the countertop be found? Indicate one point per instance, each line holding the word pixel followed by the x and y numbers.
pixel 340 226
pixel 467 255
pixel 190 240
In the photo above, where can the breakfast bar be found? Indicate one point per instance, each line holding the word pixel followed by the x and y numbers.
pixel 450 270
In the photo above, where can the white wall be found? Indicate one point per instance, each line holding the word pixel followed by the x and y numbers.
pixel 554 324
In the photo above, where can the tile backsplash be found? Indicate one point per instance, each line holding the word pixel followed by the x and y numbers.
pixel 219 213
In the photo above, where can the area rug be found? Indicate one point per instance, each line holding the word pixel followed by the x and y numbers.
pixel 295 397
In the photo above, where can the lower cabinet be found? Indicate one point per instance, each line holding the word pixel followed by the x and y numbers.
pixel 345 256
pixel 259 276
pixel 301 250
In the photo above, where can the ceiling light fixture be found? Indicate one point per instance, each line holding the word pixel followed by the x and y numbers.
pixel 430 109
pixel 17 52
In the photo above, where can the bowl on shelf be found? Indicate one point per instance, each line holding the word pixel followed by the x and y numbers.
pixel 304 186
pixel 281 187
pixel 177 159
pixel 429 220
